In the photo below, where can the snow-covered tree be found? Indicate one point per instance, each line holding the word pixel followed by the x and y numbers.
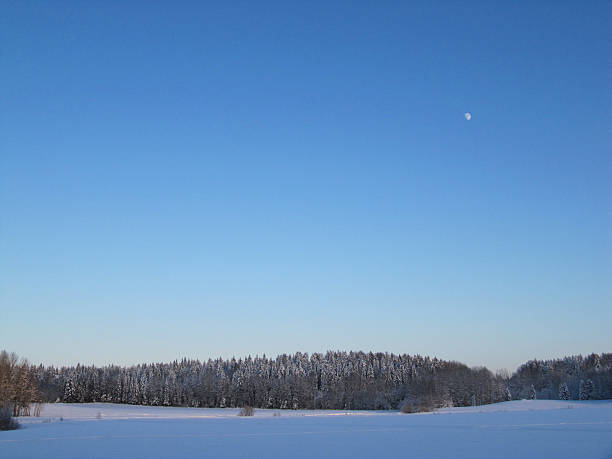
pixel 586 389
pixel 532 393
pixel 335 380
pixel 69 392
pixel 563 392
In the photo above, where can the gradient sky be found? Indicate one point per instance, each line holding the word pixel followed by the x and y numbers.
pixel 214 179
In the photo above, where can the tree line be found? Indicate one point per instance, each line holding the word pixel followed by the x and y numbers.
pixel 19 392
pixel 334 380
pixel 570 378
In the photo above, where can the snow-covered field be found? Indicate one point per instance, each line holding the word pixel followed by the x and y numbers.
pixel 513 429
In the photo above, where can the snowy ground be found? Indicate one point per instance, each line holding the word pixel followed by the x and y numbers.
pixel 513 429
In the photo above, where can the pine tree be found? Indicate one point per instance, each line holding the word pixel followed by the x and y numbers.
pixel 69 392
pixel 563 392
pixel 532 393
pixel 335 380
pixel 586 389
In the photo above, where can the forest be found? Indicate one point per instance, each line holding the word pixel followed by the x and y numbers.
pixel 334 380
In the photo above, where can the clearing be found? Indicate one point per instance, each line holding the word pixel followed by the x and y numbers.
pixel 534 428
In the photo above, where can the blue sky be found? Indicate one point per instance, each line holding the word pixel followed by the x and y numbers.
pixel 214 179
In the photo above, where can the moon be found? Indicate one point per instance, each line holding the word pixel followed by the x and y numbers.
pixel 468 116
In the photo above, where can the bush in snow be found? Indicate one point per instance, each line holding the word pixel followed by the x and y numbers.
pixel 246 411
pixel 426 404
pixel 6 418
pixel 407 408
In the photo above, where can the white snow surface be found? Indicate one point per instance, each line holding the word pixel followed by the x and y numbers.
pixel 519 429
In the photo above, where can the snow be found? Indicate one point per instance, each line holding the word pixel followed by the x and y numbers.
pixel 94 411
pixel 534 428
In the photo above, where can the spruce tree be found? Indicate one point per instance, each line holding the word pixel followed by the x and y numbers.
pixel 563 392
pixel 69 392
pixel 532 393
pixel 586 389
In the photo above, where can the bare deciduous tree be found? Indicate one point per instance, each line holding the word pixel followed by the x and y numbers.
pixel 18 388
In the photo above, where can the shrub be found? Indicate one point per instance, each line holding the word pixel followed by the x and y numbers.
pixel 426 405
pixel 407 408
pixel 6 418
pixel 246 411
